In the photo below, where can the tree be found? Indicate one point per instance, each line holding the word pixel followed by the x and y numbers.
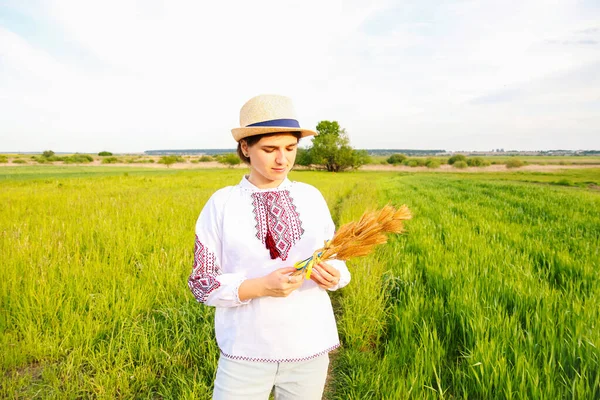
pixel 47 154
pixel 331 149
pixel 105 154
pixel 303 157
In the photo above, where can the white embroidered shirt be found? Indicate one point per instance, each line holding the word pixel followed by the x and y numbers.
pixel 244 232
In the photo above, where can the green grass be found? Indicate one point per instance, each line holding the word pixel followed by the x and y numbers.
pixel 492 293
pixel 580 177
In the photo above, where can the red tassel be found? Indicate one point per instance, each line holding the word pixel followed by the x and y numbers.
pixel 270 243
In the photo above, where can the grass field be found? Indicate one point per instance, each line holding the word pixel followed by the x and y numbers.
pixel 492 293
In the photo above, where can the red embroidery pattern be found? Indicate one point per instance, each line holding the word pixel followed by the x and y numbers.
pixel 282 359
pixel 278 225
pixel 203 280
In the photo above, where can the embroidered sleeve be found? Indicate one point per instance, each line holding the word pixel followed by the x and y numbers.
pixel 210 281
pixel 203 279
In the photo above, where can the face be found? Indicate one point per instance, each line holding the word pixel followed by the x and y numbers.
pixel 271 158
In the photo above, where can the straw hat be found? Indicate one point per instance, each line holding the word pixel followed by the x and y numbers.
pixel 268 113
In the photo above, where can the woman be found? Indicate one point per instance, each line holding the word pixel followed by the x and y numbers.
pixel 274 329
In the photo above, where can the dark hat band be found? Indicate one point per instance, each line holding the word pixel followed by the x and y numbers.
pixel 286 123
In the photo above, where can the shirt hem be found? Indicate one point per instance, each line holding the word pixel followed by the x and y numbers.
pixel 280 360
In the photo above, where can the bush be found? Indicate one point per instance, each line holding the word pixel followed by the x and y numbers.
pixel 170 160
pixel 47 153
pixel 432 163
pixel 3 159
pixel 477 162
pixel 110 160
pixel 456 158
pixel 396 159
pixel 230 159
pixel 105 153
pixel 19 161
pixel 206 158
pixel 414 162
pixel 78 159
pixel 460 164
pixel 514 163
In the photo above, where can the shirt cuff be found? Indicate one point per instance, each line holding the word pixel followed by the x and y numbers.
pixel 236 291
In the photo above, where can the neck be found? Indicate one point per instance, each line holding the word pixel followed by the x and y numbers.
pixel 262 183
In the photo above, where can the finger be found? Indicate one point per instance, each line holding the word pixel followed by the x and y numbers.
pixel 298 282
pixel 325 274
pixel 333 272
pixel 319 279
pixel 286 270
pixel 329 280
pixel 294 280
pixel 329 268
pixel 322 286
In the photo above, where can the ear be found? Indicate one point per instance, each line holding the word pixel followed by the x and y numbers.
pixel 244 147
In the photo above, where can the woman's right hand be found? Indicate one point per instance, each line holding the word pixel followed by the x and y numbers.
pixel 278 283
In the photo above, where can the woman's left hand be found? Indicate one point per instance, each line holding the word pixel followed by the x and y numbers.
pixel 325 275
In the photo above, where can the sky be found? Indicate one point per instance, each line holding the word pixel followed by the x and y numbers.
pixel 128 76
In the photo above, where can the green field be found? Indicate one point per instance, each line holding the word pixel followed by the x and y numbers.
pixel 492 293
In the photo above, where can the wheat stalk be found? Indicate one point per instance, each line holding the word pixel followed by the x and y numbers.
pixel 358 238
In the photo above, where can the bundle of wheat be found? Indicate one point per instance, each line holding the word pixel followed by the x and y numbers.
pixel 358 238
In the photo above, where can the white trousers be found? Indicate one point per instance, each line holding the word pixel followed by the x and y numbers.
pixel 249 380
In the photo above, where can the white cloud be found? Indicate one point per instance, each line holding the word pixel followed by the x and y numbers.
pixel 133 75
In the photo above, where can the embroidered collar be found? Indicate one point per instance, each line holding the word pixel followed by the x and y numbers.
pixel 246 185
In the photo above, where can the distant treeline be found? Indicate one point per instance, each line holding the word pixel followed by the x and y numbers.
pixel 189 152
pixel 408 152
pixel 389 152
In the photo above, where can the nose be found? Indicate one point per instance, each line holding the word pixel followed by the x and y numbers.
pixel 280 159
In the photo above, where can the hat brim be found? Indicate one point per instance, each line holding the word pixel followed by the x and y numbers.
pixel 241 133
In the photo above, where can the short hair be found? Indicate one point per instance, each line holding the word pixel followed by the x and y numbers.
pixel 252 140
